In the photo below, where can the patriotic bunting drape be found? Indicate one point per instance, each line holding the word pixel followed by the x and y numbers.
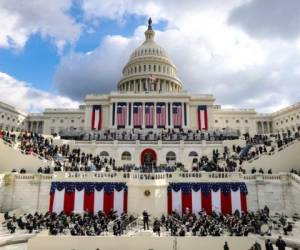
pixel 161 115
pixel 79 197
pixel 222 197
pixel 121 115
pixel 202 117
pixel 177 115
pixel 149 115
pixel 96 117
pixel 137 115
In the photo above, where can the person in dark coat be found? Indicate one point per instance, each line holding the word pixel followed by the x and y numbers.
pixel 269 245
pixel 280 243
pixel 146 220
pixel 226 247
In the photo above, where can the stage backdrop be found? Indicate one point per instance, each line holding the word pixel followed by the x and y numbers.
pixel 78 197
pixel 223 197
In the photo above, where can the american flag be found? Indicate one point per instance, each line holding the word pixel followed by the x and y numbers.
pixel 177 116
pixel 96 117
pixel 149 115
pixel 121 115
pixel 161 116
pixel 202 117
pixel 152 78
pixel 138 115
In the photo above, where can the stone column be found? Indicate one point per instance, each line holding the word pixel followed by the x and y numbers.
pixel 257 128
pixel 265 127
pixel 188 115
pixel 110 116
pixel 87 117
pixel 131 117
pixel 171 115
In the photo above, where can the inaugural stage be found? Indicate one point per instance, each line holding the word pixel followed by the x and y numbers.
pixel 46 242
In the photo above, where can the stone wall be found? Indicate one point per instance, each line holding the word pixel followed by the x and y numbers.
pixel 46 242
pixel 32 194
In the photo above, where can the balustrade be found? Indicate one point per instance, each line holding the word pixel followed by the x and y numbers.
pixel 153 177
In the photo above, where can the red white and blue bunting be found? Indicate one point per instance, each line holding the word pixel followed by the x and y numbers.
pixel 97 117
pixel 79 197
pixel 222 197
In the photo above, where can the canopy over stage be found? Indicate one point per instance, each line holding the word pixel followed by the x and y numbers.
pixel 46 242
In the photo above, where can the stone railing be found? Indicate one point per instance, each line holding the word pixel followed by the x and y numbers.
pixel 37 176
pixel 168 176
pixel 295 179
pixel 163 178
pixel 266 177
pixel 144 142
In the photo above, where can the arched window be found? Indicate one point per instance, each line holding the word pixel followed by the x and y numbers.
pixel 193 154
pixel 104 154
pixel 126 156
pixel 171 156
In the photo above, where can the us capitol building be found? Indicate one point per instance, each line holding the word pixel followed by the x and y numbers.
pixel 149 103
pixel 150 85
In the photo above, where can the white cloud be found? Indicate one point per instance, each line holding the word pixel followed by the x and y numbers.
pixel 268 19
pixel 21 18
pixel 23 96
pixel 97 71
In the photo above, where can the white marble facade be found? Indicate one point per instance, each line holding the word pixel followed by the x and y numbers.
pixel 31 192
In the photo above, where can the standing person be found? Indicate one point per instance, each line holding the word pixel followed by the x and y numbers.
pixel 146 220
pixel 156 227
pixel 269 245
pixel 256 246
pixel 280 243
pixel 226 247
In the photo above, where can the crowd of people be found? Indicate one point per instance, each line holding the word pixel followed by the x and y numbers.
pixel 201 224
pixel 296 172
pixel 151 135
pixel 216 224
pixel 280 244
pixel 86 224
pixel 65 159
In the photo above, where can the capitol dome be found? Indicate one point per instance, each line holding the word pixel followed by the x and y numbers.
pixel 149 68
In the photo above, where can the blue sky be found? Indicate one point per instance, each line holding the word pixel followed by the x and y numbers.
pixel 37 61
pixel 53 53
